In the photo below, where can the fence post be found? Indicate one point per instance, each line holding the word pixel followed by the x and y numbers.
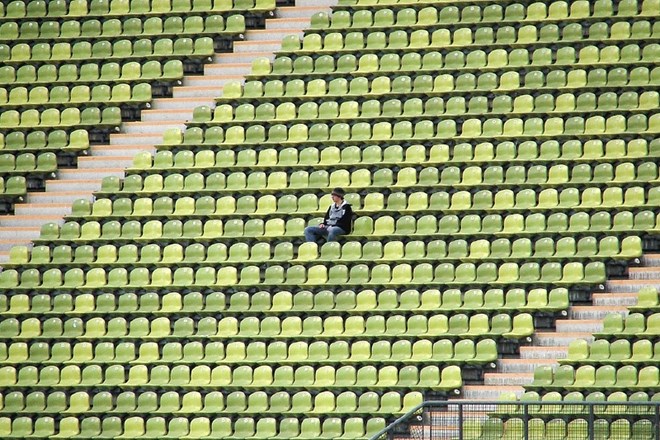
pixel 590 423
pixel 657 422
pixel 525 421
pixel 426 418
pixel 460 421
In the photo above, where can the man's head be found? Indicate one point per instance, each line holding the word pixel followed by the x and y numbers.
pixel 338 195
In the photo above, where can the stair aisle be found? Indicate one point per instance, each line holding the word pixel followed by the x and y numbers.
pixel 135 137
pixel 549 346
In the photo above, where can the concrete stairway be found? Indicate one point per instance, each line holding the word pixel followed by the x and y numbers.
pixel 581 322
pixel 547 348
pixel 112 159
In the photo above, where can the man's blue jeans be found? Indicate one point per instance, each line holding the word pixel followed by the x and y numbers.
pixel 314 233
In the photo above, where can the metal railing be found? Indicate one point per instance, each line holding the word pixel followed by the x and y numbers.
pixel 580 420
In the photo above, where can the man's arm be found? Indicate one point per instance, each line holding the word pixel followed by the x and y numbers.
pixel 325 218
pixel 346 220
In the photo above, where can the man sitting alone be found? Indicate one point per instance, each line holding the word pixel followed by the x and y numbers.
pixel 337 220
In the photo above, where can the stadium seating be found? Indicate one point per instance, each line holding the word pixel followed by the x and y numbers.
pixel 618 367
pixel 73 71
pixel 501 159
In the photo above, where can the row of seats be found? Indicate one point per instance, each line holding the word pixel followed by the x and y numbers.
pixel 57 140
pixel 568 78
pixel 14 187
pixel 360 274
pixel 173 402
pixel 406 14
pixel 633 325
pixel 647 300
pixel 422 351
pixel 479 250
pixel 362 301
pixel 483 37
pixel 310 134
pixel 567 247
pixel 109 352
pixel 534 224
pixel 268 205
pixel 628 378
pixel 56 118
pixel 48 74
pixel 462 154
pixel 27 162
pixel 448 225
pixel 34 31
pixel 20 53
pixel 376 326
pixel 190 427
pixel 305 127
pixel 385 378
pixel 74 232
pixel 407 177
pixel 100 8
pixel 416 107
pixel 573 428
pixel 618 351
pixel 456 60
pixel 601 7
pixel 78 95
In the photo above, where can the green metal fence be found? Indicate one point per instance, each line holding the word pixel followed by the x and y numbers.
pixel 560 420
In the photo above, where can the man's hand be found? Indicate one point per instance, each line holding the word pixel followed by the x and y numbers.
pixel 322 225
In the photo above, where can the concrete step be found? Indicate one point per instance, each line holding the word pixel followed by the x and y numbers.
pixel 288 23
pixel 169 115
pixel 485 392
pixel 243 57
pixel 270 34
pixel 73 184
pixel 315 3
pixel 625 286
pixel 579 325
pixel 507 379
pixel 59 197
pixel 28 220
pixel 614 299
pixel 149 139
pixel 594 312
pixel 179 103
pixel 555 339
pixel 6 245
pixel 89 174
pixel 644 273
pixel 522 365
pixel 300 11
pixel 196 92
pixel 532 352
pixel 257 46
pixel 85 163
pixel 120 150
pixel 38 209
pixel 211 80
pixel 233 69
pixel 651 259
pixel 154 127
pixel 24 233
pixel 4 257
